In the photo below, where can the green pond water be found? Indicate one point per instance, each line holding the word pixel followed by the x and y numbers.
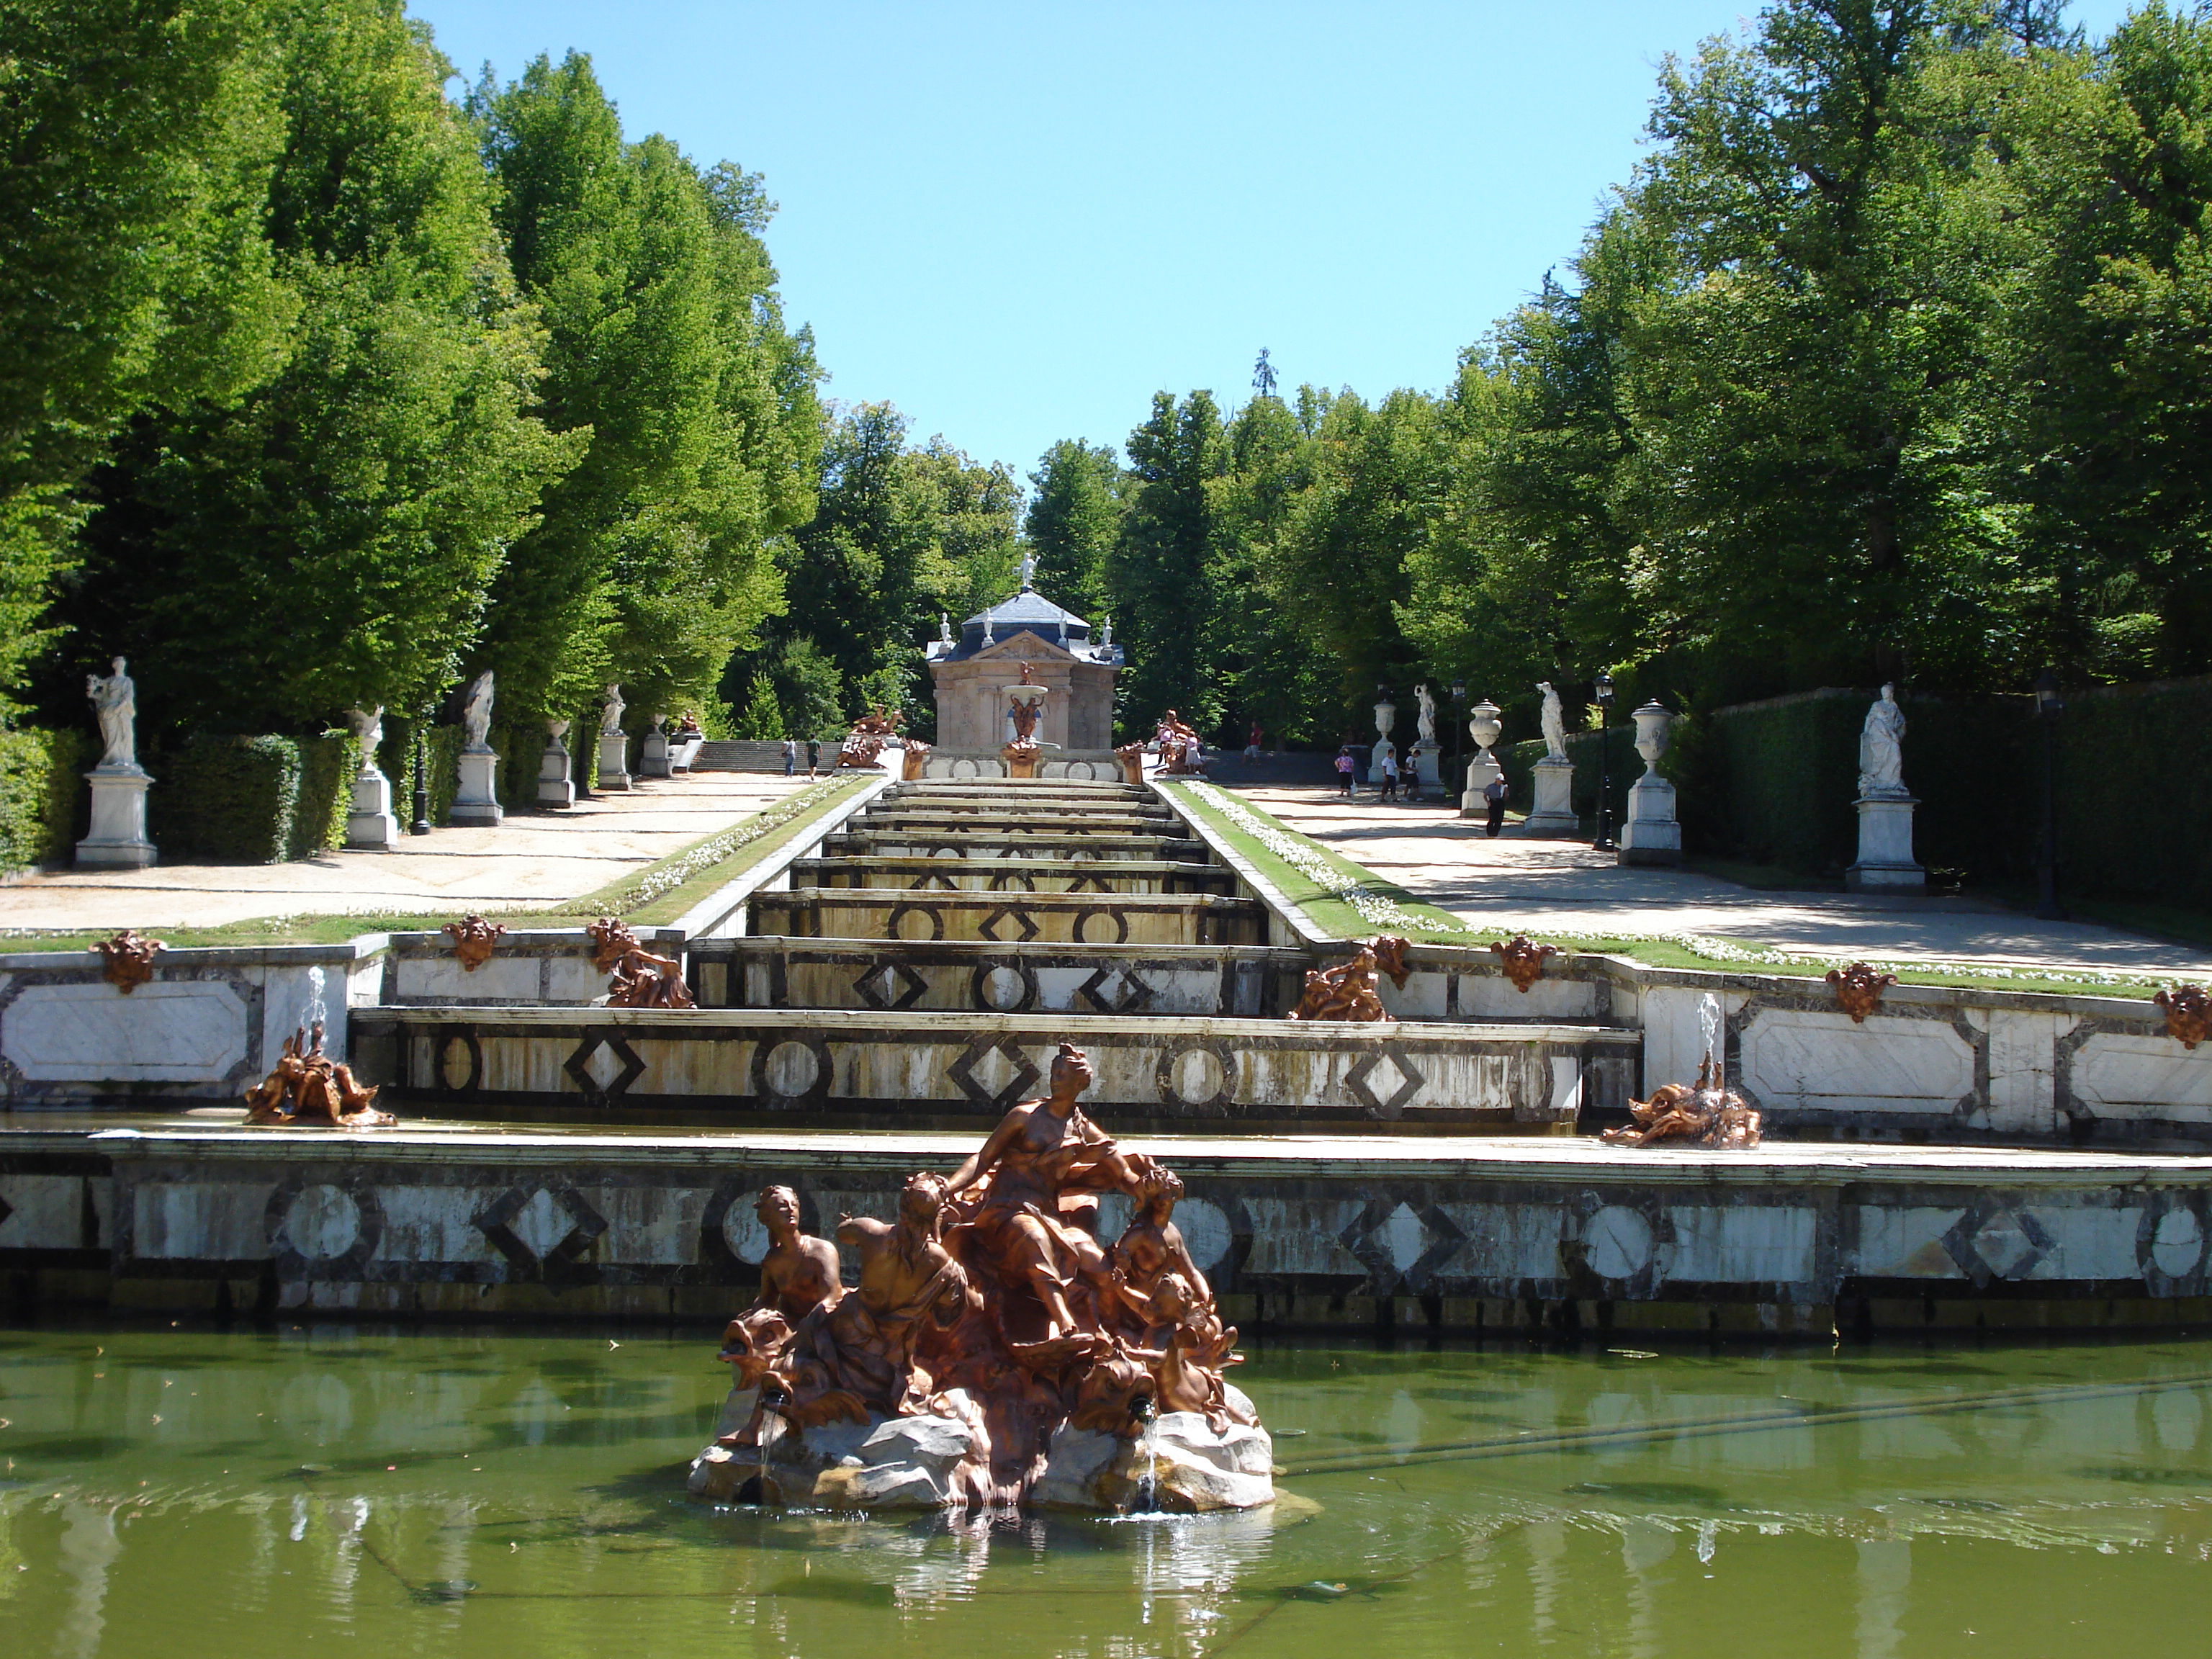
pixel 179 1493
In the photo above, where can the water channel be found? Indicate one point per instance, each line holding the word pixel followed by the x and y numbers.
pixel 187 1492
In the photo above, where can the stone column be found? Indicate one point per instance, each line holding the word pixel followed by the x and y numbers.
pixel 1551 815
pixel 1484 726
pixel 370 826
pixel 1652 834
pixel 556 785
pixel 652 752
pixel 118 840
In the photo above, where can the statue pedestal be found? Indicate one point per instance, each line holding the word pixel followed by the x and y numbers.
pixel 370 827
pixel 554 785
pixel 1552 816
pixel 1480 771
pixel 477 800
pixel 1886 863
pixel 1652 834
pixel 614 760
pixel 653 755
pixel 1426 771
pixel 118 840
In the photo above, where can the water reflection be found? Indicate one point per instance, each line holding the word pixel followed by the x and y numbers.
pixel 487 1495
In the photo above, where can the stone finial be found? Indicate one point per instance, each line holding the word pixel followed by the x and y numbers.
pixel 1522 960
pixel 128 959
pixel 1858 990
pixel 474 939
pixel 2188 1013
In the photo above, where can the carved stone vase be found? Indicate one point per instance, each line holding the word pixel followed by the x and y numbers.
pixel 1485 727
pixel 1652 834
pixel 556 786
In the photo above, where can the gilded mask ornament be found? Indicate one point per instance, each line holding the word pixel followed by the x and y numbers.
pixel 2188 1012
pixel 1858 990
pixel 474 939
pixel 128 959
pixel 1523 961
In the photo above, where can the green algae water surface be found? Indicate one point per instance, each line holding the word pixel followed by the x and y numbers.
pixel 237 1494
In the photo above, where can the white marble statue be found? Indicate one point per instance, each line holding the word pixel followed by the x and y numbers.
pixel 611 712
pixel 115 701
pixel 1106 631
pixel 1555 723
pixel 943 629
pixel 367 735
pixel 1028 571
pixel 1427 717
pixel 475 713
pixel 1881 757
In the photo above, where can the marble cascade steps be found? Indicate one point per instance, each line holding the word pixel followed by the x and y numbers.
pixel 1027 845
pixel 1031 875
pixel 926 914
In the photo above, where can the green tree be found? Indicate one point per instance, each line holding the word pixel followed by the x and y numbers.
pixel 331 540
pixel 666 352
pixel 1074 516
pixel 2108 330
pixel 1160 573
pixel 136 140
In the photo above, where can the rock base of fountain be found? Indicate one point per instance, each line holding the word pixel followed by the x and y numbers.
pixel 1185 1466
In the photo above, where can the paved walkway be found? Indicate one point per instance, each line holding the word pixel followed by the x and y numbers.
pixel 533 859
pixel 1562 887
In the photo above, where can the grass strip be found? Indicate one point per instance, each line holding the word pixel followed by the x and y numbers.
pixel 1345 900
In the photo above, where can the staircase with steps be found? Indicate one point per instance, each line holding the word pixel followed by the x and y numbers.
pixel 917 968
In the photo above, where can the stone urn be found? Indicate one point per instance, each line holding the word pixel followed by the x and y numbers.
pixel 1386 716
pixel 1484 726
pixel 1652 721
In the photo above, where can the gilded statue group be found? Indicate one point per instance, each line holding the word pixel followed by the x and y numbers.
pixel 993 1299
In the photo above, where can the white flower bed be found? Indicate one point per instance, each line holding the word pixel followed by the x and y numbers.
pixel 1309 860
pixel 709 854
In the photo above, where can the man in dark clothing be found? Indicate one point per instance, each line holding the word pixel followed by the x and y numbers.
pixel 1493 796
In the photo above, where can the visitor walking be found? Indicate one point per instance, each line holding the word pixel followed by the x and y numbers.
pixel 1252 742
pixel 1389 777
pixel 1344 768
pixel 1493 797
pixel 790 755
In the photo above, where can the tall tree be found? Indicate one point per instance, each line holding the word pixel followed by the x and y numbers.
pixel 1161 571
pixel 1075 508
pixel 331 541
pixel 136 139
pixel 667 354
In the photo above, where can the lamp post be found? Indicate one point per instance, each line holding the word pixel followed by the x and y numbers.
pixel 1453 781
pixel 1604 692
pixel 2049 706
pixel 422 747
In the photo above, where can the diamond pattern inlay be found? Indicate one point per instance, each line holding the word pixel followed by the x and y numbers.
pixel 1025 925
pixel 1384 1083
pixel 590 1074
pixel 995 1074
pixel 540 1227
pixel 1116 991
pixel 893 986
pixel 1995 1241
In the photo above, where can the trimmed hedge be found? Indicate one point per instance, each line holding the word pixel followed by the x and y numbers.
pixel 228 799
pixel 1773 782
pixel 39 789
pixel 326 771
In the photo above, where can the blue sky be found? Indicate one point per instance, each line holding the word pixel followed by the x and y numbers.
pixel 1017 222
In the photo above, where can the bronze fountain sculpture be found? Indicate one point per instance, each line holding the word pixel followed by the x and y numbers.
pixel 993 1353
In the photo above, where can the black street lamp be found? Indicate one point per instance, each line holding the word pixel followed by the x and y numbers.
pixel 1604 691
pixel 422 746
pixel 2049 706
pixel 1454 783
